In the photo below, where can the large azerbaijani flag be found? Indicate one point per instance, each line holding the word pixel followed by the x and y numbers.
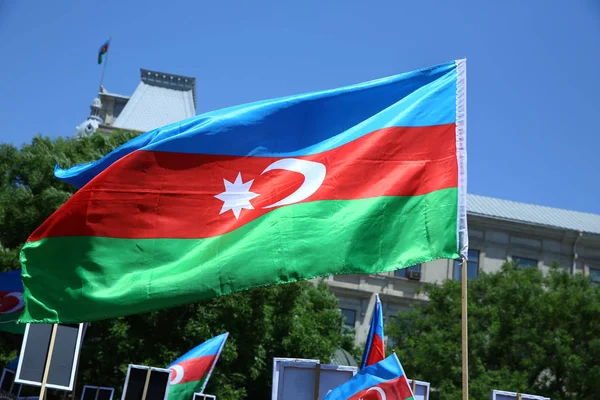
pixel 192 370
pixel 361 179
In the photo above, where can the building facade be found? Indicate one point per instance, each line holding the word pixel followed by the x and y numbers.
pixel 499 231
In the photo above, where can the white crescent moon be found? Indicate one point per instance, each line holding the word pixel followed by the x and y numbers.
pixel 19 297
pixel 378 390
pixel 178 369
pixel 314 175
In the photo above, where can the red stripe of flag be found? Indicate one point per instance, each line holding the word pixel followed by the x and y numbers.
pixel 145 194
pixel 193 369
pixel 377 350
pixel 395 389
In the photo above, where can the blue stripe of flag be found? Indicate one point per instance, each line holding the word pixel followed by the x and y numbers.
pixel 386 370
pixel 11 281
pixel 301 124
pixel 209 348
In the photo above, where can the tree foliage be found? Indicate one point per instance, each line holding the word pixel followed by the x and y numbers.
pixel 294 320
pixel 29 193
pixel 528 333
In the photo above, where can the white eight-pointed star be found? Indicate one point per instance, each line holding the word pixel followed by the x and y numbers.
pixel 237 196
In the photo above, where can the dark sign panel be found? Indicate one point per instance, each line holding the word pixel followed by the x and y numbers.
pixel 97 393
pixel 34 352
pixel 158 385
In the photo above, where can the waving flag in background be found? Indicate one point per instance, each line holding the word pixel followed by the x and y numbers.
pixel 192 370
pixel 11 301
pixel 374 348
pixel 384 380
pixel 363 179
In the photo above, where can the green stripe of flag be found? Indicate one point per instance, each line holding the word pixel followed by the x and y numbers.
pixel 185 391
pixel 90 278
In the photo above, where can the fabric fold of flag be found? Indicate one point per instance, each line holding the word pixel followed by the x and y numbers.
pixel 11 301
pixel 374 348
pixel 192 370
pixel 384 380
pixel 367 178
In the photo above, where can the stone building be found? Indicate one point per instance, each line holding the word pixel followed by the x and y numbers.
pixel 160 99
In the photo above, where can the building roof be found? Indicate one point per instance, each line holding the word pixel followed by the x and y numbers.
pixel 160 99
pixel 342 357
pixel 533 214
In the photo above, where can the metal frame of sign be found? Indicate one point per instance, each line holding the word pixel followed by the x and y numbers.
pixel 49 385
pixel 421 383
pixel 144 367
pixel 4 371
pixel 112 390
pixel 523 395
pixel 302 363
pixel 202 396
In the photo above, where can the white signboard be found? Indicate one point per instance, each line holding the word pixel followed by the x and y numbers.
pixel 200 396
pixel 421 391
pixel 65 355
pixel 501 395
pixel 297 379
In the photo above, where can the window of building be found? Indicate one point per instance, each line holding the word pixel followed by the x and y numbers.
pixel 349 317
pixel 402 272
pixel 595 275
pixel 472 266
pixel 522 262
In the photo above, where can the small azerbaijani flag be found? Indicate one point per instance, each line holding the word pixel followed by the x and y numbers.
pixel 374 349
pixel 384 380
pixel 103 51
pixel 11 301
pixel 192 370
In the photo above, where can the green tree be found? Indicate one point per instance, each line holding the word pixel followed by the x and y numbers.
pixel 528 333
pixel 294 320
pixel 29 193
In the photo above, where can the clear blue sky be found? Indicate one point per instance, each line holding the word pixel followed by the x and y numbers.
pixel 533 69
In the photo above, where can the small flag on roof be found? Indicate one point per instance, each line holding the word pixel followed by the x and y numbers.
pixel 103 51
